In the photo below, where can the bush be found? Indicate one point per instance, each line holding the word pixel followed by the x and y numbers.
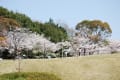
pixel 29 76
pixel 52 55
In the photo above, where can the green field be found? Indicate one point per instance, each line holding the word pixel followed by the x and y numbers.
pixel 96 67
pixel 29 76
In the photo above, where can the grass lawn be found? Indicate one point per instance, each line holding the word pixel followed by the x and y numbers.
pixel 28 76
pixel 95 67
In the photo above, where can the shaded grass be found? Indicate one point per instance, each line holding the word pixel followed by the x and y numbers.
pixel 28 76
pixel 96 67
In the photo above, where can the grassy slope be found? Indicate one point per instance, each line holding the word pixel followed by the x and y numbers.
pixel 97 67
pixel 29 76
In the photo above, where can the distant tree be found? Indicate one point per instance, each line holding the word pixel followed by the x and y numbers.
pixel 15 39
pixel 3 42
pixel 43 45
pixel 95 30
pixel 6 24
pixel 54 31
pixel 50 30
pixel 20 39
pixel 90 35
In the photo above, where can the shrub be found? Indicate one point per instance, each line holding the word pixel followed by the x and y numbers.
pixel 52 55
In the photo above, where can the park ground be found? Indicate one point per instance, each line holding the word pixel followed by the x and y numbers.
pixel 95 67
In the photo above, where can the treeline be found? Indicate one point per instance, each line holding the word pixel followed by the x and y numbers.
pixel 50 30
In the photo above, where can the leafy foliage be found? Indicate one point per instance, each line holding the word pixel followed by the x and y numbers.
pixel 5 25
pixel 96 30
pixel 50 30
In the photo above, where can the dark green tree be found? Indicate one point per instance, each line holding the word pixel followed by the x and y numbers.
pixel 50 30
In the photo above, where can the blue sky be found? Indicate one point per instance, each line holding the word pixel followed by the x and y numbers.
pixel 69 11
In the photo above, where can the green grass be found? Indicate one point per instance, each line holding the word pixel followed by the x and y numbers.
pixel 28 76
pixel 96 67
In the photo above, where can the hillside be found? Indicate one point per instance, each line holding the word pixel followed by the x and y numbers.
pixel 96 67
pixel 50 29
